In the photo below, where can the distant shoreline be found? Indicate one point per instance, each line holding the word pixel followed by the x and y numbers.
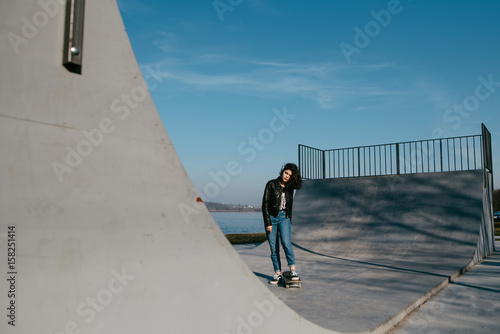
pixel 223 207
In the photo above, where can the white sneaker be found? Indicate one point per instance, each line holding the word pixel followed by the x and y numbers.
pixel 275 280
pixel 294 276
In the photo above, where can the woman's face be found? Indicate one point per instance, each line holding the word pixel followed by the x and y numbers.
pixel 286 175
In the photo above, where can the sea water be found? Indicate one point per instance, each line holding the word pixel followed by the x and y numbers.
pixel 239 222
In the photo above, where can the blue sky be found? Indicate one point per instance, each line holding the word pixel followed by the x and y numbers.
pixel 240 83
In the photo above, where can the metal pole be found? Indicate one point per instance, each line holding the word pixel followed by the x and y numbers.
pixel 398 168
pixel 324 165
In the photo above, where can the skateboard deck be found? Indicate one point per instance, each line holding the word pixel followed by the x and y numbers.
pixel 287 281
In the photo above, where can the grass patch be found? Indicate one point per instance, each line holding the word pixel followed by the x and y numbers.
pixel 246 238
pixel 497 228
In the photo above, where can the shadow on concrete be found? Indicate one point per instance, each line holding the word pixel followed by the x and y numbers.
pixel 370 263
pixel 264 276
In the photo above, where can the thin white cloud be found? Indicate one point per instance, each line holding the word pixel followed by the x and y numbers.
pixel 325 83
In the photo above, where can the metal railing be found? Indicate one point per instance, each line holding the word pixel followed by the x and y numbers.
pixel 422 156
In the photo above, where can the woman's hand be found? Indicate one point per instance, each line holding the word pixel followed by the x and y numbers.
pixel 269 228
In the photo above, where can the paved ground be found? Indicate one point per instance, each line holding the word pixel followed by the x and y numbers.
pixel 470 305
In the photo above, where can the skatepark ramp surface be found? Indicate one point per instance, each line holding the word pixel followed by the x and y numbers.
pixel 412 221
pixel 371 249
pixel 101 230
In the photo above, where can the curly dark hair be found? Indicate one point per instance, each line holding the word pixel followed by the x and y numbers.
pixel 295 181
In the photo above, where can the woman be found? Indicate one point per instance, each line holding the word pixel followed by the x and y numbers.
pixel 277 211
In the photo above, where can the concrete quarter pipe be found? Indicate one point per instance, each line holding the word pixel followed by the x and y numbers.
pixel 100 228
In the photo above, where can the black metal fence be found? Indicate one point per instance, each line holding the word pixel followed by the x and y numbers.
pixel 422 156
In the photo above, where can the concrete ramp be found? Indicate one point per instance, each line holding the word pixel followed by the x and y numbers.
pixel 370 250
pixel 427 222
pixel 101 230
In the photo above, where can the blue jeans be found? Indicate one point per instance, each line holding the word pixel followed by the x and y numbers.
pixel 282 229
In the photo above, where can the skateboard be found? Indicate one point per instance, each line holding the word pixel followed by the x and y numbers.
pixel 287 281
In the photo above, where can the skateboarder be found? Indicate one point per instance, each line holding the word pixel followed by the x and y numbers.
pixel 277 205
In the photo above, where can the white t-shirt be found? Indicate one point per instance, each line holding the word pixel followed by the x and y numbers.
pixel 283 201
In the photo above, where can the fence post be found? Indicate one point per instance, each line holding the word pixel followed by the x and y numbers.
pixel 441 152
pixel 398 168
pixel 300 166
pixel 324 165
pixel 359 163
pixel 487 154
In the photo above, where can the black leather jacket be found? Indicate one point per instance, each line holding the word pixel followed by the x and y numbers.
pixel 272 199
